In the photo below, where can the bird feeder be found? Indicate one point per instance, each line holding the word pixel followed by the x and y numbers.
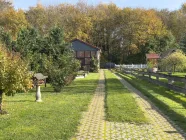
pixel 39 79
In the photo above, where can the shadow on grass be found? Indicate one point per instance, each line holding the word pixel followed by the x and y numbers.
pixel 166 93
pixel 171 132
pixel 19 101
pixel 179 119
pixel 76 87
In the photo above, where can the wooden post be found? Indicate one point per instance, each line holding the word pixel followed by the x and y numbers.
pixel 170 81
pixel 157 77
pixel 150 75
pixel 45 82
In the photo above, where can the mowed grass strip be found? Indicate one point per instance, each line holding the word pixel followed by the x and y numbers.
pixel 176 83
pixel 179 74
pixel 57 117
pixel 169 102
pixel 120 103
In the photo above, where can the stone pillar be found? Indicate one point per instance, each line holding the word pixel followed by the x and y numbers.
pixel 38 94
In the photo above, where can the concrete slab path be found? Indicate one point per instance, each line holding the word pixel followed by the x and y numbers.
pixel 94 126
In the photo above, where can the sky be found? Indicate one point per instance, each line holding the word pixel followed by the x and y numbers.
pixel 158 4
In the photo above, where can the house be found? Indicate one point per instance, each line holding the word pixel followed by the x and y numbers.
pixel 167 52
pixel 152 58
pixel 152 61
pixel 85 52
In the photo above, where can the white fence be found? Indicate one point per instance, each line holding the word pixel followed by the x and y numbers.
pixel 132 66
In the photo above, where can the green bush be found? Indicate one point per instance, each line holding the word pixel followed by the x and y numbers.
pixel 94 65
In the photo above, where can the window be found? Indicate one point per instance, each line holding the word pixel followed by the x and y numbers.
pixel 87 53
pixel 80 53
pixel 87 61
pixel 93 53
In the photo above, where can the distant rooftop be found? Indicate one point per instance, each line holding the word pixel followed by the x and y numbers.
pixel 152 56
pixel 79 45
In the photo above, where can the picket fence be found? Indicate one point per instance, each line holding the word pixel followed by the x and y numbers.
pixel 132 66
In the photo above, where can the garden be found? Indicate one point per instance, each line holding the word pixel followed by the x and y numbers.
pixel 39 41
pixel 55 118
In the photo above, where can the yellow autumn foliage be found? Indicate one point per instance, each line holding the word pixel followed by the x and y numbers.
pixel 14 75
pixel 13 20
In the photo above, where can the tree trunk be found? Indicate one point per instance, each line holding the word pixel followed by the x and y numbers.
pixel 174 68
pixel 1 99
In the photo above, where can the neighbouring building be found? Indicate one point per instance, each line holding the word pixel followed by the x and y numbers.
pixel 85 52
pixel 152 58
pixel 167 53
pixel 152 61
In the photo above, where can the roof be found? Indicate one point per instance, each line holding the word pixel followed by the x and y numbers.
pixel 79 45
pixel 167 52
pixel 40 76
pixel 152 56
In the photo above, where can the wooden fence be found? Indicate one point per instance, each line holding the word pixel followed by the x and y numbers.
pixel 156 79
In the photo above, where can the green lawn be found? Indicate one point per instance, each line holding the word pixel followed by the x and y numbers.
pixel 176 83
pixel 179 74
pixel 170 103
pixel 57 117
pixel 120 104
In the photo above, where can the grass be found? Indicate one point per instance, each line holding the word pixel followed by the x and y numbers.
pixel 179 74
pixel 57 117
pixel 176 83
pixel 170 103
pixel 120 103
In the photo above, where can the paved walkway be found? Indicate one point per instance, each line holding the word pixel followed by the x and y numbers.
pixel 94 127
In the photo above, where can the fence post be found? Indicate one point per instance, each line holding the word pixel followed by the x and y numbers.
pixel 157 77
pixel 150 75
pixel 170 81
pixel 143 73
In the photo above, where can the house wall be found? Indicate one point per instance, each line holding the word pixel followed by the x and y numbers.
pixel 84 52
pixel 85 57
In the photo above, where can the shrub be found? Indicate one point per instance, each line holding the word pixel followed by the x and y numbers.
pixel 173 62
pixel 94 65
pixel 14 75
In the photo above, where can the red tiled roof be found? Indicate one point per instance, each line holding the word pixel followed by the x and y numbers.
pixel 86 43
pixel 152 56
